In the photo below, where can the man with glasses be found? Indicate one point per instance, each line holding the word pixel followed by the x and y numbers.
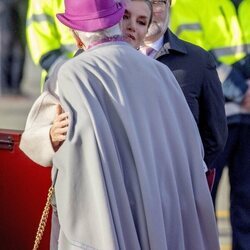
pixel 195 71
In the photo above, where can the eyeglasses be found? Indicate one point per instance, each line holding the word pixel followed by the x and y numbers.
pixel 159 3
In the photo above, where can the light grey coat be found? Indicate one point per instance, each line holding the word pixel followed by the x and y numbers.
pixel 131 171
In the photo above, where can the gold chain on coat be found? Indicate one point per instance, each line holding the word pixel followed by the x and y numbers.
pixel 43 220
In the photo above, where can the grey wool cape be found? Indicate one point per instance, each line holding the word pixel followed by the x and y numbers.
pixel 131 171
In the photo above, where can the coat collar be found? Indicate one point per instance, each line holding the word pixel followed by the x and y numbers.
pixel 172 44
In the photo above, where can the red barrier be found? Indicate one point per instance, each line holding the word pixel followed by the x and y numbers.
pixel 23 194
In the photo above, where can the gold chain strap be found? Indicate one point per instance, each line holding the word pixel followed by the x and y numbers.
pixel 43 220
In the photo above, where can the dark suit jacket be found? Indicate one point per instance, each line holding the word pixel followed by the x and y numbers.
pixel 195 71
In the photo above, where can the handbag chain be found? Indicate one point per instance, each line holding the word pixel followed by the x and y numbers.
pixel 44 218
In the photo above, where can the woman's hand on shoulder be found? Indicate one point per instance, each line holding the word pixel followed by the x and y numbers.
pixel 59 127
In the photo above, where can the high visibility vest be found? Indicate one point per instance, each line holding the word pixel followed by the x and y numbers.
pixel 214 25
pixel 44 32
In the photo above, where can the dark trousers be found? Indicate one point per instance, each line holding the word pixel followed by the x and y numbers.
pixel 12 49
pixel 236 157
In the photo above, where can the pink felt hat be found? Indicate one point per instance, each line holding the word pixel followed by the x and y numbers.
pixel 91 15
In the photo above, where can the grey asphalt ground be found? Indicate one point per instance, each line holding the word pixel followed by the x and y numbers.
pixel 13 114
pixel 14 109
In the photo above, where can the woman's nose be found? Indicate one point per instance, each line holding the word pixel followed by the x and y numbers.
pixel 131 26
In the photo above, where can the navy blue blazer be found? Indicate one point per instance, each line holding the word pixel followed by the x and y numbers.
pixel 195 71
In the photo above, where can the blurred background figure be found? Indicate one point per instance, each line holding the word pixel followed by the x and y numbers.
pixel 222 27
pixel 12 45
pixel 48 40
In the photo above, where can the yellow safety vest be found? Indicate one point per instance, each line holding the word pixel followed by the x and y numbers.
pixel 214 25
pixel 44 32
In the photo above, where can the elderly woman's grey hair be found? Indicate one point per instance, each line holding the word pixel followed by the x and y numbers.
pixel 91 37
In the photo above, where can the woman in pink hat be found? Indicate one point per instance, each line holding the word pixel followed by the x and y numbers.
pixel 134 27
pixel 130 173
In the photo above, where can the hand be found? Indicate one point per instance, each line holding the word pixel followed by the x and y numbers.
pixel 59 128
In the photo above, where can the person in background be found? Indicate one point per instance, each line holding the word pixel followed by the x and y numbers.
pixel 195 72
pixel 121 183
pixel 12 45
pixel 222 28
pixel 48 40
